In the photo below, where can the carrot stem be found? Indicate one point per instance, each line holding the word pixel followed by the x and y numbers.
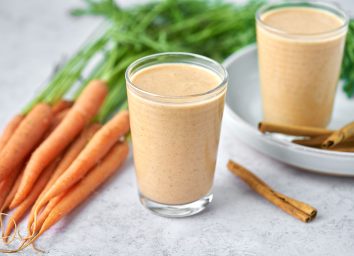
pixel 71 72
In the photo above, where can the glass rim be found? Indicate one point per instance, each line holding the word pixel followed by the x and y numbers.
pixel 219 86
pixel 329 7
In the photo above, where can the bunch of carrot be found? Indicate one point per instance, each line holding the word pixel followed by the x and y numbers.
pixel 54 155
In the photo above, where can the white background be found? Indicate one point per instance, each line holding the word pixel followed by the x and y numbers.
pixel 34 36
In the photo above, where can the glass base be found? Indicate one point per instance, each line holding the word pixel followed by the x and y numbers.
pixel 176 211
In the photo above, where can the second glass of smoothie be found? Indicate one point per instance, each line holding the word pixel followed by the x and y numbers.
pixel 176 103
pixel 300 48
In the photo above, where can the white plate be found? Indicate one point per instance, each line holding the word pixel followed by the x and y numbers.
pixel 244 105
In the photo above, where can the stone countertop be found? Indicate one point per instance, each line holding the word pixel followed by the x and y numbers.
pixel 37 34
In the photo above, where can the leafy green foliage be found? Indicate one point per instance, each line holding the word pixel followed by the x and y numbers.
pixel 212 28
pixel 348 62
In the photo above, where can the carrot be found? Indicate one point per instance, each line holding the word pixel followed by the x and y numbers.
pixel 78 193
pixel 85 108
pixel 70 155
pixel 9 198
pixel 10 129
pixel 98 147
pixel 5 190
pixel 12 193
pixel 62 105
pixel 28 202
pixel 73 151
pixel 44 214
pixel 58 118
pixel 6 186
pixel 51 168
pixel 25 138
pixel 9 195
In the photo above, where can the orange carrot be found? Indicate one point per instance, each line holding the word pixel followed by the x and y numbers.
pixel 62 105
pixel 78 193
pixel 4 192
pixel 70 155
pixel 98 147
pixel 15 174
pixel 25 138
pixel 7 185
pixel 44 214
pixel 59 117
pixel 12 193
pixel 10 129
pixel 85 108
pixel 28 202
pixel 9 198
pixel 51 168
pixel 73 151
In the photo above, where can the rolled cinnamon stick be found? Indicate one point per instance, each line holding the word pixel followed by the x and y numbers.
pixel 338 136
pixel 311 142
pixel 292 129
pixel 342 149
pixel 306 208
pixel 319 140
pixel 295 208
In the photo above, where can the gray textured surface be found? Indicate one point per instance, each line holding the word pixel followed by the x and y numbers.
pixel 35 35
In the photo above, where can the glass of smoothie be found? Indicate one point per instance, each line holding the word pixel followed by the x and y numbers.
pixel 300 49
pixel 176 103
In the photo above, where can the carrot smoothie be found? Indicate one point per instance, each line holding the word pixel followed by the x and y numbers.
pixel 300 48
pixel 176 110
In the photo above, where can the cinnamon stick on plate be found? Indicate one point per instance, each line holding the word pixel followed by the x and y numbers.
pixel 339 136
pixel 295 208
pixel 316 142
pixel 292 129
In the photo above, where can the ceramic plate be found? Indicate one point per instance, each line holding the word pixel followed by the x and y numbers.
pixel 244 105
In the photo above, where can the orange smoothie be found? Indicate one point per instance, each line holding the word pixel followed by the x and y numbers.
pixel 300 53
pixel 175 143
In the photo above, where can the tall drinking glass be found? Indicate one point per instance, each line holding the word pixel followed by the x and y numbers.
pixel 176 103
pixel 300 49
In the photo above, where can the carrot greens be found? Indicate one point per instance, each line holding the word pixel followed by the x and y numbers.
pixel 348 62
pixel 212 28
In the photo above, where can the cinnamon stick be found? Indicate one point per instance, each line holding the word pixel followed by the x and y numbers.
pixel 319 140
pixel 295 208
pixel 340 135
pixel 292 129
pixel 342 149
pixel 339 140
pixel 311 142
